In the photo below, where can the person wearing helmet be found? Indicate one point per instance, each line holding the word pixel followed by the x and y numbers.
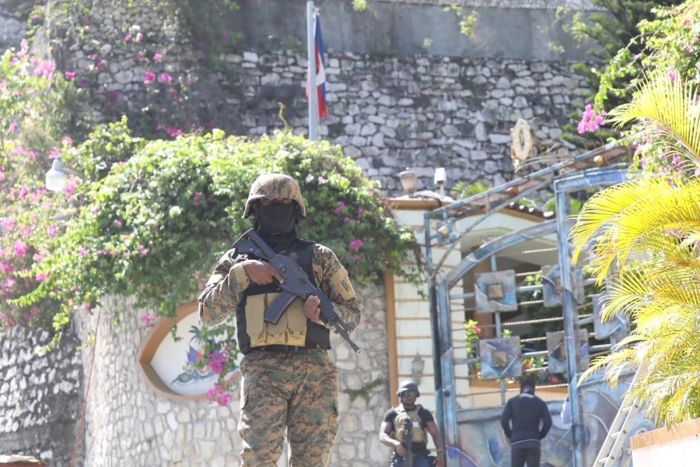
pixel 289 383
pixel 405 430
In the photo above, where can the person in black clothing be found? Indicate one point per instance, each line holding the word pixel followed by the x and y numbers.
pixel 526 421
pixel 408 424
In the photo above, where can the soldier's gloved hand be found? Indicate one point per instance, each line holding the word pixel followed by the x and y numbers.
pixel 260 272
pixel 312 310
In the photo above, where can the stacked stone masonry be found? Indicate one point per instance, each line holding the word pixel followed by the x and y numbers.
pixel 128 424
pixel 390 113
pixel 40 396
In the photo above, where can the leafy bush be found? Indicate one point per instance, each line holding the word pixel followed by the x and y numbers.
pixel 153 223
pixel 34 122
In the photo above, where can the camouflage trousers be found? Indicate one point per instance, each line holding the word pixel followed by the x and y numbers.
pixel 297 391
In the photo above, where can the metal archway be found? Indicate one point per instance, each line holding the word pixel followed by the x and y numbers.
pixel 440 307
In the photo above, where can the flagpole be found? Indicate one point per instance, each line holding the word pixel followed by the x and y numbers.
pixel 313 90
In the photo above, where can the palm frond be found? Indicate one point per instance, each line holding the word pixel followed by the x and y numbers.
pixel 621 217
pixel 669 106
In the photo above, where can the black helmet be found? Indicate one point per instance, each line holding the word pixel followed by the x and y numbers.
pixel 408 386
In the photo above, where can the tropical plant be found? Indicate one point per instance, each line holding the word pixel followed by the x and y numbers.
pixel 646 239
pixel 617 29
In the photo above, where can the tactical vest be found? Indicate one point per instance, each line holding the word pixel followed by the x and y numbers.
pixel 293 328
pixel 408 425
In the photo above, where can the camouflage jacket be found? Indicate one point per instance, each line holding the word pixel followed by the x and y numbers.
pixel 225 287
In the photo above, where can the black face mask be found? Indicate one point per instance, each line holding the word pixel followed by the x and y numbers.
pixel 275 218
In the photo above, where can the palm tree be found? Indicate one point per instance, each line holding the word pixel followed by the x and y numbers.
pixel 643 237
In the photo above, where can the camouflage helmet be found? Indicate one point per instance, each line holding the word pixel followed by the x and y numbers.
pixel 274 187
pixel 408 386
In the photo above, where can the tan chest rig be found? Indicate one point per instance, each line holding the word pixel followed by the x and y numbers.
pixel 293 328
pixel 289 330
pixel 408 425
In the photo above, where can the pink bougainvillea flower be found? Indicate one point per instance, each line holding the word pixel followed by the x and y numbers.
pixel 8 223
pixel 55 153
pixel 82 251
pixel 164 78
pixel 590 121
pixel 147 319
pixel 13 126
pixel 149 77
pixel 672 76
pixel 346 219
pixel 20 248
pixel 70 188
pixel 341 207
pixel 356 244
pixel 157 57
pixel 69 75
pixel 173 132
pixel 217 360
pixel 23 192
pixel 219 395
pixel 67 141
pixel 41 277
pixel 127 38
pixel 2 175
pixel 197 198
pixel 38 257
pixel 52 231
pixel 9 283
pixel 44 68
pixel 143 251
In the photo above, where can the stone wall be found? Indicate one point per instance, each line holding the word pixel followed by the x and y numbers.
pixel 40 396
pixel 129 424
pixel 389 113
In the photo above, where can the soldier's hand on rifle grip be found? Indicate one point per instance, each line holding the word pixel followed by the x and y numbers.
pixel 312 310
pixel 260 272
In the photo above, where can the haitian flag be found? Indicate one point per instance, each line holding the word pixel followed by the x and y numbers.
pixel 320 72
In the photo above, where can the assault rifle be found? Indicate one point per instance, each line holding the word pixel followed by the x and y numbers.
pixel 296 284
pixel 407 441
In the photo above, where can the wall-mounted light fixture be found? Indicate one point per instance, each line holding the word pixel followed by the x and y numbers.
pixel 417 366
pixel 56 176
pixel 440 179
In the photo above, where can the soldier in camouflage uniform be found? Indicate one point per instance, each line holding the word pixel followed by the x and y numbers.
pixel 288 380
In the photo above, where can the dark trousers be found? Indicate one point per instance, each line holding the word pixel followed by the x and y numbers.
pixel 418 461
pixel 519 456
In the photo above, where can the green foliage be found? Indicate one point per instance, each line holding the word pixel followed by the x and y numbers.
pixel 644 241
pixel 464 189
pixel 473 333
pixel 359 6
pixel 616 32
pixel 152 222
pixel 467 22
pixel 206 22
pixel 34 122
